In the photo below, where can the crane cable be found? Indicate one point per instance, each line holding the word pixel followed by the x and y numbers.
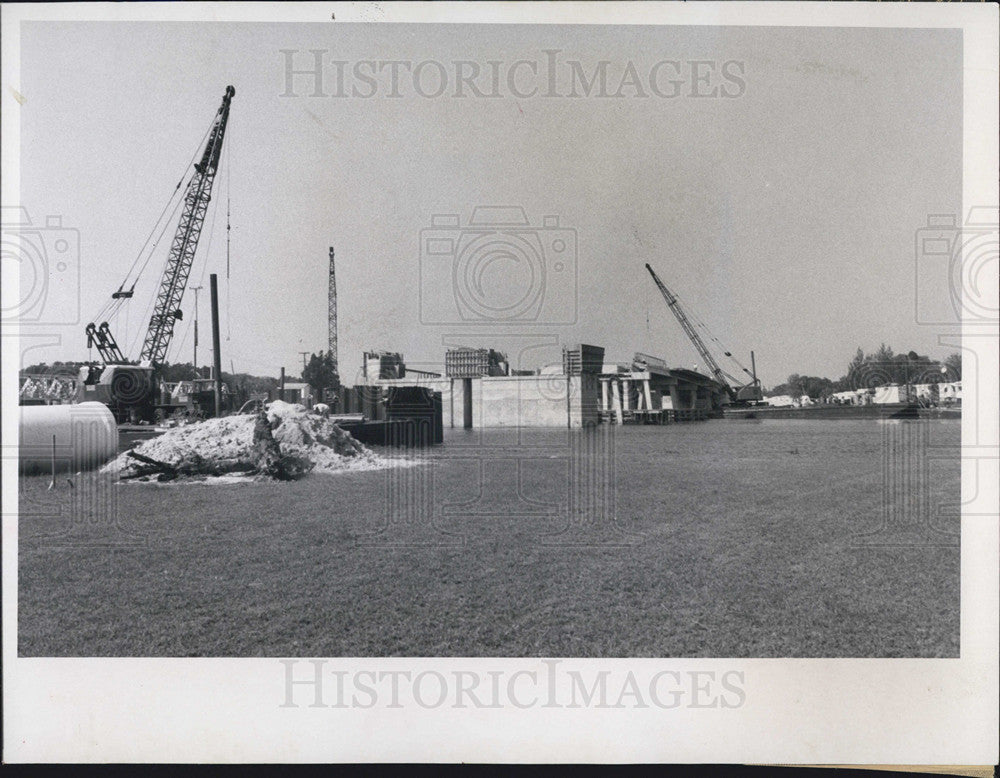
pixel 719 343
pixel 152 300
pixel 116 303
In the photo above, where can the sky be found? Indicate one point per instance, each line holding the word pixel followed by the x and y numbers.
pixel 783 215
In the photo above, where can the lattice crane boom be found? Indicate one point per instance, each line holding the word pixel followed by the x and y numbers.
pixel 692 333
pixel 197 196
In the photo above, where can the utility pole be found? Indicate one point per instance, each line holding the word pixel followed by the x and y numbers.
pixel 304 355
pixel 197 372
pixel 217 356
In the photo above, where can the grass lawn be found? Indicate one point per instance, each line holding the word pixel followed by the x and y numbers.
pixel 719 539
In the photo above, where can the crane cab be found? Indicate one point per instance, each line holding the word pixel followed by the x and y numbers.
pixel 749 395
pixel 128 390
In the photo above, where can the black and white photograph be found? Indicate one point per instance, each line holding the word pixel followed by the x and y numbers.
pixel 614 367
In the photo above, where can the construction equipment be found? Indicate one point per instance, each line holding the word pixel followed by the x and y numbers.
pixel 738 395
pixel 465 362
pixel 581 358
pixel 382 364
pixel 132 390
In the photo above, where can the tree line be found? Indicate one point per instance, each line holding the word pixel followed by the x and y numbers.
pixel 880 368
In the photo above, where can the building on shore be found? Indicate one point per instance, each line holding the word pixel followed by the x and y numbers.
pixel 298 393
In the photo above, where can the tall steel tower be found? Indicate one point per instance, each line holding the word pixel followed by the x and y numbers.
pixel 332 314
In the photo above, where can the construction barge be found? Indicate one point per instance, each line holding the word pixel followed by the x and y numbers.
pixel 884 411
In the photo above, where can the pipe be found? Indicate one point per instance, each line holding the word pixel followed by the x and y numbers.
pixel 65 437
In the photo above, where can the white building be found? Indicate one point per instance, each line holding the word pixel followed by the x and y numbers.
pixel 852 397
pixel 950 393
pixel 893 393
pixel 298 393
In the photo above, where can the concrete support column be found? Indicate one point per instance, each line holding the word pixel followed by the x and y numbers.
pixel 604 395
pixel 627 394
pixel 648 394
pixel 617 402
pixel 467 403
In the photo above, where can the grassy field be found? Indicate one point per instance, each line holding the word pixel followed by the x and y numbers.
pixel 721 539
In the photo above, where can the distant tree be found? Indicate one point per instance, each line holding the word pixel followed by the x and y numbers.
pixel 56 368
pixel 856 369
pixel 880 368
pixel 181 371
pixel 814 386
pixel 321 373
pixel 857 362
pixel 954 364
pixel 883 354
pixel 798 385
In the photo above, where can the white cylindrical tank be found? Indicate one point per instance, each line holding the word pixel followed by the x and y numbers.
pixel 81 437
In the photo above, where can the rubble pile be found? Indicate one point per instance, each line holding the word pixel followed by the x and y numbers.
pixel 284 441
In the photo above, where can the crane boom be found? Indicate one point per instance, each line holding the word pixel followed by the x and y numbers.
pixel 692 333
pixel 175 275
pixel 106 344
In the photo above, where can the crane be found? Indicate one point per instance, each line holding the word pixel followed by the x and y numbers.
pixel 175 275
pixel 742 395
pixel 128 386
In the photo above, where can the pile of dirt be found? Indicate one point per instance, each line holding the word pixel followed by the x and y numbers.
pixel 284 441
